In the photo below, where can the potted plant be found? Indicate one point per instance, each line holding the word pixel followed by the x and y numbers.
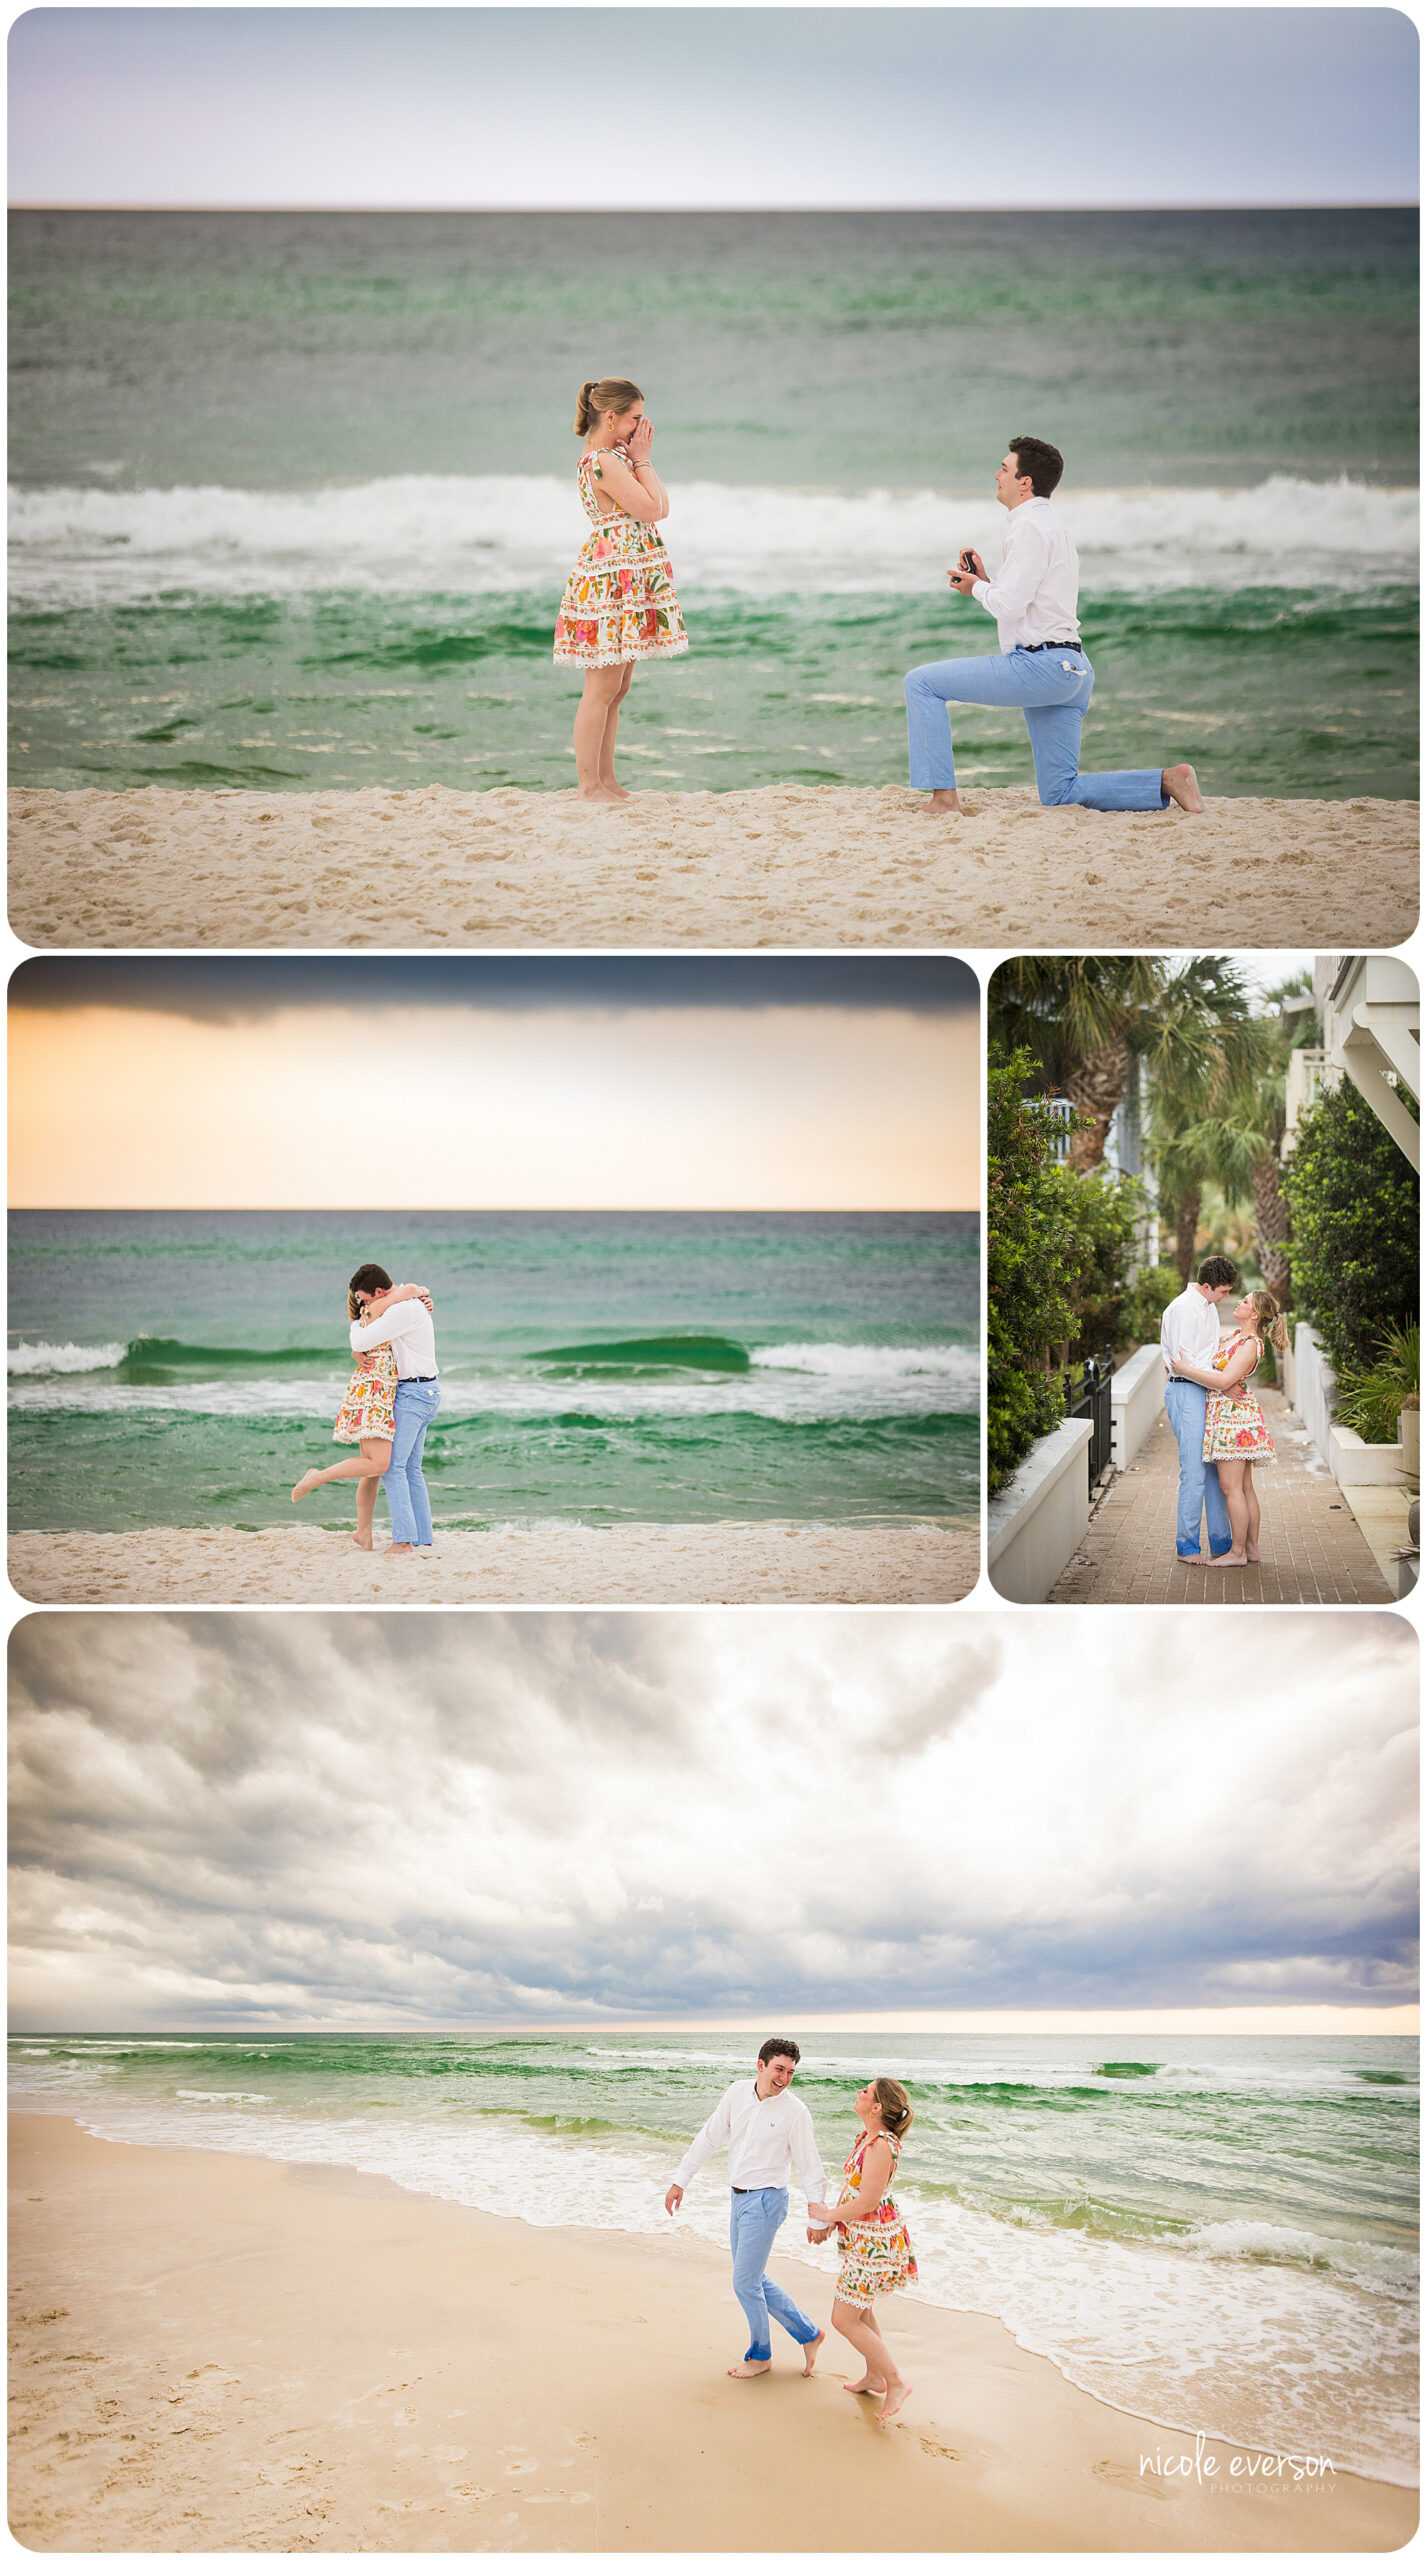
pixel 1382 1402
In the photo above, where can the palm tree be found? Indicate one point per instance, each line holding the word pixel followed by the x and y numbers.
pixel 1086 1020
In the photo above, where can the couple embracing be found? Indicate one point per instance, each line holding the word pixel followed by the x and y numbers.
pixel 769 2131
pixel 394 1392
pixel 620 605
pixel 1215 1415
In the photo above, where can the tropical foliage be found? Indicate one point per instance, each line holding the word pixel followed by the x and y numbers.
pixel 1353 1198
pixel 1034 1258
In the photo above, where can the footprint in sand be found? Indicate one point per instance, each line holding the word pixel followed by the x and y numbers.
pixel 931 2442
pixel 1120 2476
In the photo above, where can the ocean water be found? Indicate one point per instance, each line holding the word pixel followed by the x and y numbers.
pixel 294 495
pixel 1215 2233
pixel 181 1369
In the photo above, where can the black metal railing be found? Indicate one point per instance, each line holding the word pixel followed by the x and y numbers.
pixel 1087 1399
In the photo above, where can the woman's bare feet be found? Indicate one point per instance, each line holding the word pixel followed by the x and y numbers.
pixel 1253 1555
pixel 810 2354
pixel 868 2383
pixel 1182 783
pixel 617 791
pixel 1231 1558
pixel 597 791
pixel 898 2394
pixel 359 1541
pixel 305 1483
pixel 942 804
pixel 749 2370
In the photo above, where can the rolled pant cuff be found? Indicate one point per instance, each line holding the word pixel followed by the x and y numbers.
pixel 1220 1546
pixel 759 2355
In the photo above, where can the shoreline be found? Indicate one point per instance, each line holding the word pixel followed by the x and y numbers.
pixel 729 1562
pixel 218 2351
pixel 786 864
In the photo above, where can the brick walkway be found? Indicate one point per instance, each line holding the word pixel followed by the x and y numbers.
pixel 1312 1546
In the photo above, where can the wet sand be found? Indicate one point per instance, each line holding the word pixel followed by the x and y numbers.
pixel 218 2353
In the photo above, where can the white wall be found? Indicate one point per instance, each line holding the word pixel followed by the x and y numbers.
pixel 1035 1525
pixel 1136 1397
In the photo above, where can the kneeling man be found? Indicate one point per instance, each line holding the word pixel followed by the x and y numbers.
pixel 1041 667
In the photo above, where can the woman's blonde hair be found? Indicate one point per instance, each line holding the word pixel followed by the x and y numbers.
pixel 596 397
pixel 1268 1318
pixel 895 2104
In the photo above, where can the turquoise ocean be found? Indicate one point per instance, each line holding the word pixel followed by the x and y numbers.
pixel 180 1369
pixel 1210 2232
pixel 294 494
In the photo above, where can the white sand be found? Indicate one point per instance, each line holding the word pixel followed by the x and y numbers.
pixel 781 866
pixel 916 1560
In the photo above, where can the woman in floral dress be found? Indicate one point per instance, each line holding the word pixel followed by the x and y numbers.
pixel 874 2247
pixel 619 603
pixel 368 1417
pixel 1236 1436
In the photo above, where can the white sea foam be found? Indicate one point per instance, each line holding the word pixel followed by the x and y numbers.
pixel 454 535
pixel 61 1359
pixel 793 1382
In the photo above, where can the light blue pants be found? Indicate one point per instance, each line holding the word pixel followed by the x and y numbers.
pixel 754 2223
pixel 416 1402
pixel 1199 1486
pixel 1053 688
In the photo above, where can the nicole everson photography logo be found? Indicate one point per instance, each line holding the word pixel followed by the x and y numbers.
pixel 1210 2469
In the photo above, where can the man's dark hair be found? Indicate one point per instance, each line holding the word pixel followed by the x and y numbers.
pixel 1039 463
pixel 779 2044
pixel 370 1277
pixel 1217 1273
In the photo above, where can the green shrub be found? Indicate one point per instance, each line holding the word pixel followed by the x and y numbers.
pixel 1104 1209
pixel 1370 1400
pixel 1352 1196
pixel 1146 1300
pixel 1035 1256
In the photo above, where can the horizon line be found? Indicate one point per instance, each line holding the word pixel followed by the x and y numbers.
pixel 483 1209
pixel 895 2022
pixel 1327 204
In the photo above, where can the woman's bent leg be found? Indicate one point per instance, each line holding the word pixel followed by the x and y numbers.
pixel 345 1467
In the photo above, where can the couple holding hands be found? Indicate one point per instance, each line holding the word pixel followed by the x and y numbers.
pixel 620 605
pixel 768 2131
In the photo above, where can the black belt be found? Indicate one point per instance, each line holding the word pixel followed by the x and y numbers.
pixel 1033 648
pixel 419 1382
pixel 749 2191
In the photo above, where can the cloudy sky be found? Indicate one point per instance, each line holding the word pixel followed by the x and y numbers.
pixel 486 1082
pixel 752 106
pixel 350 1821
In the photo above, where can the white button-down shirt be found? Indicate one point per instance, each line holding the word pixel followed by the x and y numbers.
pixel 1036 590
pixel 411 1333
pixel 765 2136
pixel 1190 1327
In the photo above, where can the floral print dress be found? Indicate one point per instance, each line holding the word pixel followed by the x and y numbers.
pixel 1236 1430
pixel 874 2256
pixel 369 1405
pixel 619 601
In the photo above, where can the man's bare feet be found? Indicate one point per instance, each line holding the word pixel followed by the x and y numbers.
pixel 866 2384
pixel 942 804
pixel 1182 783
pixel 810 2354
pixel 1194 1559
pixel 750 2371
pixel 305 1483
pixel 404 1549
pixel 898 2394
pixel 1230 1558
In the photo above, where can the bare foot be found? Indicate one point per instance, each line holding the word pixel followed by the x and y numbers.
pixel 597 791
pixel 1230 1558
pixel 750 2372
pixel 1182 783
pixel 404 1549
pixel 810 2354
pixel 866 2384
pixel 305 1483
pixel 364 1543
pixel 1196 1559
pixel 1253 1555
pixel 898 2394
pixel 617 791
pixel 942 804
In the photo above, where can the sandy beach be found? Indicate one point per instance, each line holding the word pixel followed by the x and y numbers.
pixel 217 2353
pixel 733 1562
pixel 788 865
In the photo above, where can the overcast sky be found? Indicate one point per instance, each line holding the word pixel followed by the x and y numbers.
pixel 716 107
pixel 378 1820
pixel 470 1083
